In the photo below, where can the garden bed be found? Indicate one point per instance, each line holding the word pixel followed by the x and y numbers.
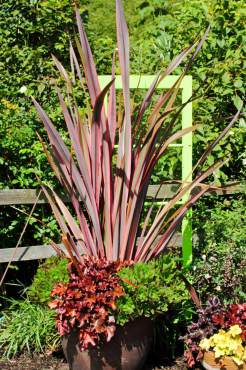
pixel 42 362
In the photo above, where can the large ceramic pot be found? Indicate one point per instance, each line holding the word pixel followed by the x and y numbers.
pixel 209 362
pixel 127 350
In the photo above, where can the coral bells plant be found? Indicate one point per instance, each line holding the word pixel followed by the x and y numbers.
pixel 215 319
pixel 227 343
pixel 88 300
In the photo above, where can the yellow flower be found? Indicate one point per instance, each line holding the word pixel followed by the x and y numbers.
pixel 235 330
pixel 233 345
pixel 244 355
pixel 218 352
pixel 220 338
pixel 205 344
pixel 237 360
pixel 226 343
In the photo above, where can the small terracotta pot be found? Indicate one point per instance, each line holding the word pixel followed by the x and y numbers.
pixel 209 362
pixel 127 350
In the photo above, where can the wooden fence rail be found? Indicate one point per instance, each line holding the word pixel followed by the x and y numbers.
pixel 29 196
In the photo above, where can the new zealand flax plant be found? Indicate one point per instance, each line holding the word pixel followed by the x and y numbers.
pixel 105 172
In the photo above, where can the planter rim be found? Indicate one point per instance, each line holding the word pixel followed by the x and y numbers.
pixel 127 350
pixel 224 362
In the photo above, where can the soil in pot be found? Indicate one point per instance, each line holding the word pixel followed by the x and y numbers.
pixel 127 350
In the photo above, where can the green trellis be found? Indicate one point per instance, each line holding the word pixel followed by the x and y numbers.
pixel 143 82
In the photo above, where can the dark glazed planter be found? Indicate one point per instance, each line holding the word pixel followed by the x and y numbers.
pixel 127 350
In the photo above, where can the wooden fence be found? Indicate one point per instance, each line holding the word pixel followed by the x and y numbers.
pixel 29 197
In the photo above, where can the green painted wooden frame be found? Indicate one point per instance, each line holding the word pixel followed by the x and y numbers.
pixel 143 82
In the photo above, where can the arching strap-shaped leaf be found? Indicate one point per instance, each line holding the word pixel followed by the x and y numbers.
pixel 125 144
pixel 88 62
pixel 97 141
pixel 217 140
pixel 112 123
pixel 71 173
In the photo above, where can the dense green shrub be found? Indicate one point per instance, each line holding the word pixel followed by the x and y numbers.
pixel 150 289
pixel 219 259
pixel 156 289
pixel 52 271
pixel 27 327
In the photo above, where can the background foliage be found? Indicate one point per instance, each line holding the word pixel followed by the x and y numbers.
pixel 219 258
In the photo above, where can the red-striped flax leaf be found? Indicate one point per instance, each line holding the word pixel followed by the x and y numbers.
pixel 112 122
pixel 146 156
pixel 217 140
pixel 134 200
pixel 193 293
pixel 72 63
pixel 63 74
pixel 146 101
pixel 165 238
pixel 74 199
pixel 131 208
pixel 172 93
pixel 169 98
pixel 147 218
pixel 131 245
pixel 51 159
pixel 58 250
pixel 116 236
pixel 123 51
pixel 134 209
pixel 117 209
pixel 165 135
pixel 70 247
pixel 138 184
pixel 145 225
pixel 84 238
pixel 88 62
pixel 179 134
pixel 107 176
pixel 56 212
pixel 78 71
pixel 83 83
pixel 198 48
pixel 172 66
pixel 79 154
pixel 117 190
pixel 157 225
pixel 65 220
pixel 97 142
pixel 84 140
pixel 65 161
